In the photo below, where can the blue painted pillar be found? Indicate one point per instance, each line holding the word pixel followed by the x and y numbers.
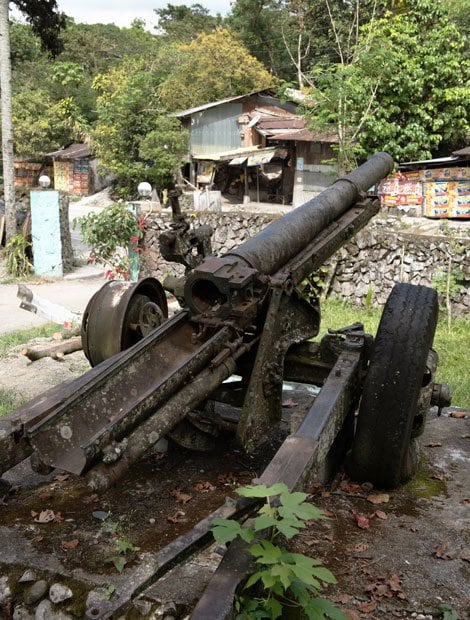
pixel 133 256
pixel 45 231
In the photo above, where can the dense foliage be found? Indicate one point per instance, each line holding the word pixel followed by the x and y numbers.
pixel 211 67
pixel 134 136
pixel 384 74
pixel 403 87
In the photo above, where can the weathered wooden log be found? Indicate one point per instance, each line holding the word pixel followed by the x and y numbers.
pixel 56 350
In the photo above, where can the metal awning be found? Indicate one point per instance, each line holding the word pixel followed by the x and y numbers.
pixel 239 154
pixel 237 161
pixel 257 159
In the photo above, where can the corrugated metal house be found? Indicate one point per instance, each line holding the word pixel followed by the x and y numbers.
pixel 253 145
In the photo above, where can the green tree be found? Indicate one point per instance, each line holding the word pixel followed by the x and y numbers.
pixel 99 47
pixel 47 22
pixel 43 125
pixel 164 149
pixel 183 23
pixel 459 11
pixel 403 89
pixel 132 137
pixel 25 46
pixel 290 37
pixel 213 66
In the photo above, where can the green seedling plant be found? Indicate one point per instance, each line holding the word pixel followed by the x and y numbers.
pixel 282 580
pixel 122 548
pixel 448 283
pixel 447 612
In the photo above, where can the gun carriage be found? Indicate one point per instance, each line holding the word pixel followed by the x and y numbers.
pixel 243 319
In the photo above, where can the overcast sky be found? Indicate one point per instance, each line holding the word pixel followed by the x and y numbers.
pixel 123 12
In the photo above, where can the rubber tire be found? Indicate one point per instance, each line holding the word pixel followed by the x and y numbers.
pixel 384 451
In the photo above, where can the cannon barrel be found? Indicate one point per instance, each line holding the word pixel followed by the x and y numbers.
pixel 233 284
pixel 274 246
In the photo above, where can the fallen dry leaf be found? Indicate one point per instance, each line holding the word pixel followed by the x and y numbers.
pixel 315 488
pixel 366 570
pixel 394 582
pixel 45 516
pixel 61 477
pixel 380 514
pixel 311 542
pixel 38 538
pixel 184 498
pixel 378 498
pixel 328 513
pixel 229 478
pixel 204 486
pixel 349 613
pixel 69 544
pixel 362 521
pixel 380 589
pixel 289 403
pixel 368 607
pixel 414 528
pixel 441 551
pixel 360 547
pixel 465 555
pixel 438 475
pixel 176 517
pixel 341 598
pixel 45 495
pixel 434 444
pixel 465 500
pixel 459 414
pixel 350 487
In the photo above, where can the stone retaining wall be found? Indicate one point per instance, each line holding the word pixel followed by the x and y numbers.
pixel 379 257
pixel 365 269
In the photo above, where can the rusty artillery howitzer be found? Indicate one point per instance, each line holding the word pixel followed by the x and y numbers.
pixel 243 316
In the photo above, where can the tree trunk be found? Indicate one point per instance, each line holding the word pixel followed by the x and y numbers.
pixel 7 125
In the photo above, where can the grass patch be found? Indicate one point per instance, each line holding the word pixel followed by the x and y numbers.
pixel 9 400
pixel 452 345
pixel 14 339
pixel 336 313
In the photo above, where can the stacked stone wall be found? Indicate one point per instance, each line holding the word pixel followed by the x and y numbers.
pixel 366 268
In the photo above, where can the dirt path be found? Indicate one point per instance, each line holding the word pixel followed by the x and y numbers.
pixel 398 554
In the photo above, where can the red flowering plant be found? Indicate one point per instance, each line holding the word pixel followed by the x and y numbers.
pixel 112 234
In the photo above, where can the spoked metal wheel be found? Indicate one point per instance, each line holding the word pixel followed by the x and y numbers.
pixel 385 450
pixel 119 315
